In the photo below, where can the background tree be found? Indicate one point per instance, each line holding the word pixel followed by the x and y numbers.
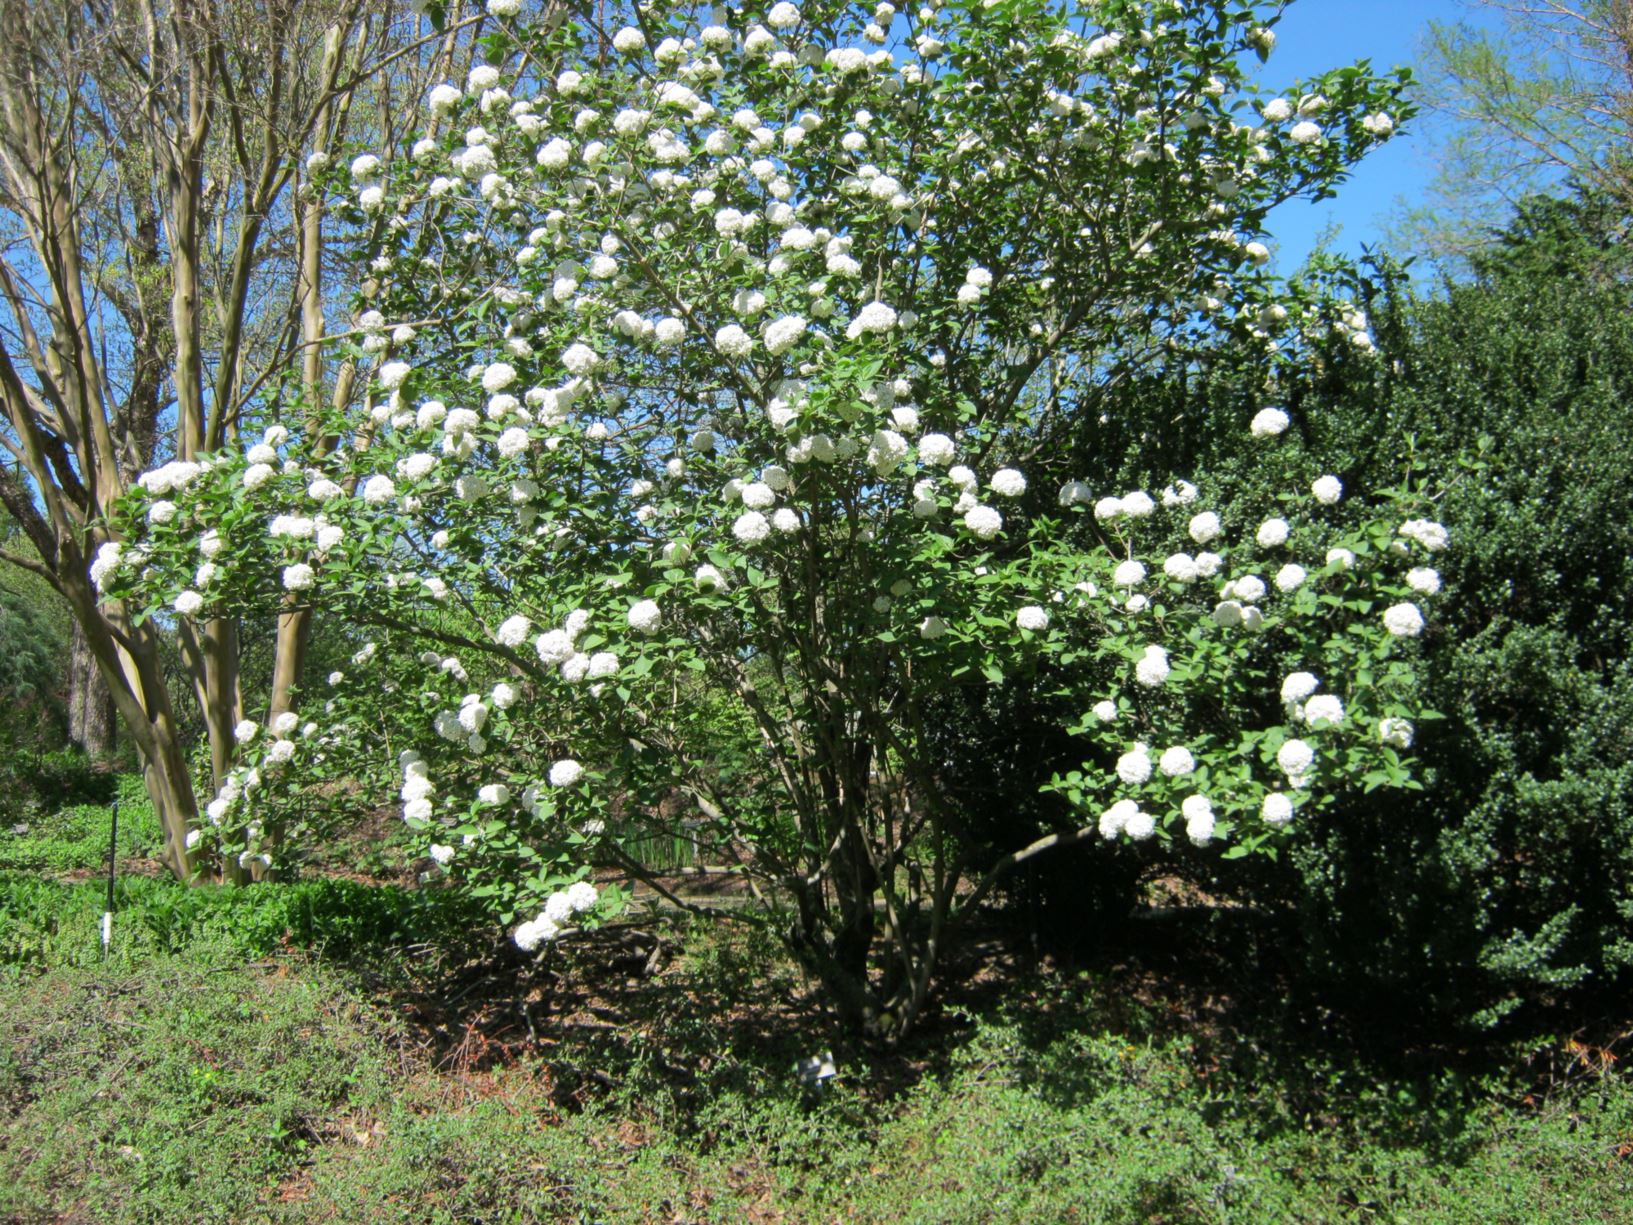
pixel 1540 93
pixel 163 261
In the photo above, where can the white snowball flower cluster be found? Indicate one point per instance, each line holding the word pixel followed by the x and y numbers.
pixel 1272 533
pixel 1032 618
pixel 1277 810
pixel 1296 758
pixel 1432 536
pixel 1200 823
pixel 1152 668
pixel 645 617
pixel 875 318
pixel 983 522
pixel 732 341
pixel 1269 422
pixel 1425 580
pixel 1403 620
pixel 1396 733
pixel 1126 817
pixel 1008 483
pixel 560 908
pixel 1177 761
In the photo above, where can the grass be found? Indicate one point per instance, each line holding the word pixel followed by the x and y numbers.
pixel 333 1051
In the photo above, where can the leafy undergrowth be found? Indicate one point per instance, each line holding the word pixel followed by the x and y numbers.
pixel 350 1068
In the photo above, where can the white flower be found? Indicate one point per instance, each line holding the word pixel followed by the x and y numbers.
pixel 1340 557
pixel 1432 536
pixel 1298 686
pixel 1181 493
pixel 1324 708
pixel 503 696
pixel 1008 483
pixel 1396 733
pixel 1327 489
pixel 1290 577
pixel 1152 668
pixel 1272 532
pixel 1115 819
pixel 1182 568
pixel 783 334
pixel 580 360
pixel 535 932
pixel 365 167
pixel 1199 819
pixel 669 331
pixel 751 527
pixel 581 896
pixel 1305 133
pixel 565 773
pixel 1138 505
pixel 440 854
pixel 1128 574
pixel 758 495
pixel 1134 766
pixel 782 16
pixel 873 318
pixel 1378 123
pixel 936 450
pixel 1403 620
pixel 708 578
pixel 392 374
pixel 1072 493
pixel 785 520
pixel 188 603
pixel 733 341
pixel 932 627
pixel 1033 618
pixel 1249 587
pixel 245 731
pixel 628 40
pixel 1424 580
pixel 513 442
pixel 886 450
pixel 513 631
pixel 1176 761
pixel 1268 422
pixel 983 522
pixel 1204 527
pixel 298 577
pixel 602 665
pixel 645 617
pixel 554 646
pixel 1277 110
pixel 161 512
pixel 1277 810
pixel 1295 757
pixel 378 490
pixel 498 376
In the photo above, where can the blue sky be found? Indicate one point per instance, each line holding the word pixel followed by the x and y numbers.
pixel 1316 35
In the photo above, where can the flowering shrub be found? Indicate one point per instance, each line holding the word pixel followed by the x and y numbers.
pixel 715 372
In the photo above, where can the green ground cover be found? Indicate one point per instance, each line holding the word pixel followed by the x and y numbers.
pixel 333 1050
